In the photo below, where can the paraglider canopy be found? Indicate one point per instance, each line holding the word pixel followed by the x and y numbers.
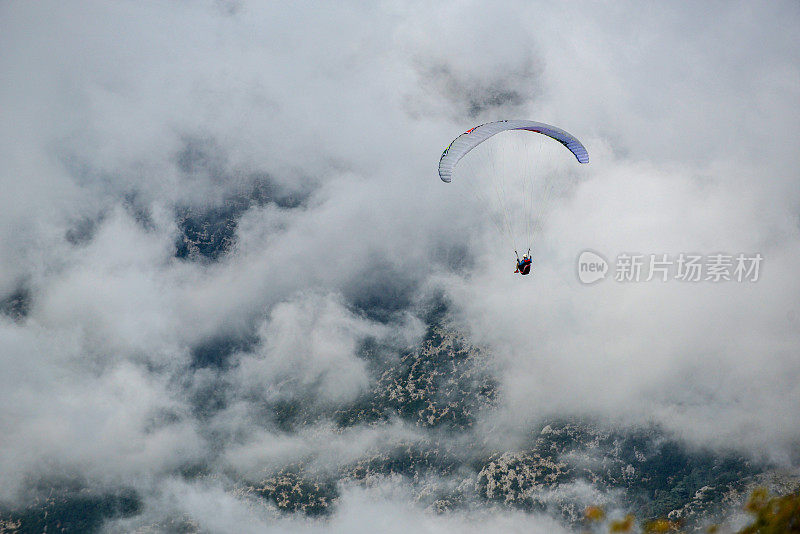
pixel 475 136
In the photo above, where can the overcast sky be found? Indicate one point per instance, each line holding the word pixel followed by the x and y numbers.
pixel 116 115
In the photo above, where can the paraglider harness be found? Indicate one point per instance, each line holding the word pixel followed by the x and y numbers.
pixel 524 265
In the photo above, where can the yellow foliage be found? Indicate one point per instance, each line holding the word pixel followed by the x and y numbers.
pixel 660 525
pixel 757 501
pixel 774 515
pixel 594 513
pixel 622 525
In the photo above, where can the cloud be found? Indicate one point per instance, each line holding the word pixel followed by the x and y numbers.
pixel 386 507
pixel 310 348
pixel 305 140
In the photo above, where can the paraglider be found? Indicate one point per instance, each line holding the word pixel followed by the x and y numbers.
pixel 473 137
pixel 524 264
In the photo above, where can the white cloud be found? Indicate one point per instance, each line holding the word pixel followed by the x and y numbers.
pixel 689 114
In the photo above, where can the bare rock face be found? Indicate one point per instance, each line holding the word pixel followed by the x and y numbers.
pixel 293 491
pixel 445 382
pixel 518 477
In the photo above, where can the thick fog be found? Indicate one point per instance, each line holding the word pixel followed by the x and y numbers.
pixel 120 118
